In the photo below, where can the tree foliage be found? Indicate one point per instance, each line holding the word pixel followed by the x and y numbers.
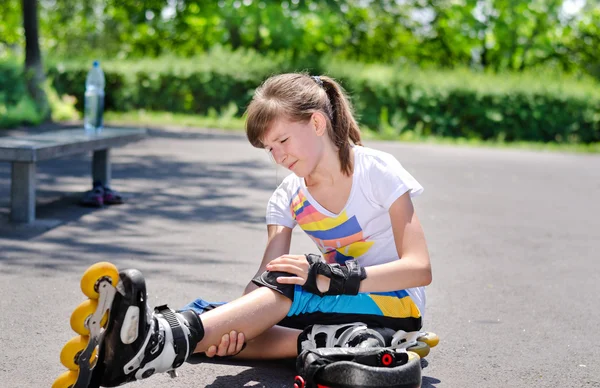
pixel 498 35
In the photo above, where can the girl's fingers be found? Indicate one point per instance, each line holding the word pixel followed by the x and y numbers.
pixel 301 264
pixel 281 262
pixel 289 268
pixel 211 351
pixel 290 260
pixel 224 345
pixel 295 265
pixel 294 257
pixel 240 342
pixel 232 343
pixel 291 280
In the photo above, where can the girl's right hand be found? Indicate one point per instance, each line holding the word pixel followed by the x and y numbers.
pixel 299 266
pixel 231 344
pixel 296 265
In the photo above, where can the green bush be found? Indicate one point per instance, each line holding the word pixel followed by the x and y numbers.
pixel 17 108
pixel 462 103
pixel 12 87
pixel 458 103
pixel 24 112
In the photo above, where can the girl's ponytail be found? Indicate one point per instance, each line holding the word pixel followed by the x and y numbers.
pixel 344 127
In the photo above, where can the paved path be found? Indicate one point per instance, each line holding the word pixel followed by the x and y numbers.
pixel 514 239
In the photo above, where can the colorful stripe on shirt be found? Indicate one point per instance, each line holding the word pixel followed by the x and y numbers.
pixel 338 238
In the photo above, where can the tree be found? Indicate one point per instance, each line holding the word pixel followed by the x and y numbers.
pixel 498 35
pixel 10 26
pixel 34 69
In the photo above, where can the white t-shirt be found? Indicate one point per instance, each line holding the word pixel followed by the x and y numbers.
pixel 363 229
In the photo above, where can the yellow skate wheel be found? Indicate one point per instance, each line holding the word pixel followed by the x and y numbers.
pixel 66 380
pixel 69 356
pixel 95 273
pixel 430 339
pixel 421 348
pixel 80 319
pixel 412 355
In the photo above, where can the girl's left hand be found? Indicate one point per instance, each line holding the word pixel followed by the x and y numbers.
pixel 294 264
pixel 231 344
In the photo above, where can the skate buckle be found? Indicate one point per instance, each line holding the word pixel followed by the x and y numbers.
pixel 173 373
pixel 299 382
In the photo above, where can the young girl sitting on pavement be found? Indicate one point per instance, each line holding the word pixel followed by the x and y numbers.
pixel 354 202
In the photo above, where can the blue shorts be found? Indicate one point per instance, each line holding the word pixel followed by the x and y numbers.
pixel 395 310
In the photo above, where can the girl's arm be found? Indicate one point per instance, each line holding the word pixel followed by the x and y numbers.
pixel 414 268
pixel 278 244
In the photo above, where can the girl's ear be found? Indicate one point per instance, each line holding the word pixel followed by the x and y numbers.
pixel 319 123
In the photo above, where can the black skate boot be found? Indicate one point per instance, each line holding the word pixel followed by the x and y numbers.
pixel 120 339
pixel 138 342
pixel 353 355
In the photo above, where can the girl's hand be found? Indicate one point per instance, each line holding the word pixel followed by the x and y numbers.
pixel 294 264
pixel 231 344
pixel 297 265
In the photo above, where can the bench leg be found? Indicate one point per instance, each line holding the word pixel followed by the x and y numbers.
pixel 101 170
pixel 22 192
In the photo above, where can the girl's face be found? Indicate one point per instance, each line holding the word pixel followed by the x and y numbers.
pixel 296 146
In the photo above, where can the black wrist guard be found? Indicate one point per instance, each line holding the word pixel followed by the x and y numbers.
pixel 343 279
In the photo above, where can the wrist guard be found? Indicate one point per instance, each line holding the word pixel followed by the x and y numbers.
pixel 343 279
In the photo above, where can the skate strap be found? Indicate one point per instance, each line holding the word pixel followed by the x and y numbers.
pixel 180 343
pixel 344 279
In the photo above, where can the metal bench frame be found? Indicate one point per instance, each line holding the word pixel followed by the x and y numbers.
pixel 25 151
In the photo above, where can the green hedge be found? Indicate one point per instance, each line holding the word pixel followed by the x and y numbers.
pixel 17 108
pixel 462 103
pixel 12 86
pixel 458 103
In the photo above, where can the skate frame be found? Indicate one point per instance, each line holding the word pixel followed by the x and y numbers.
pixel 107 294
pixel 403 340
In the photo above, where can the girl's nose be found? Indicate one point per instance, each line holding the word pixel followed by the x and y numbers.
pixel 278 155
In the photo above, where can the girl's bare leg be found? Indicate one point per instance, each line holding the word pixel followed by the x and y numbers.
pixel 252 314
pixel 276 343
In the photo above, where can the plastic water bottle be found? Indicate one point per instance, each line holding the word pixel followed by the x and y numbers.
pixel 94 99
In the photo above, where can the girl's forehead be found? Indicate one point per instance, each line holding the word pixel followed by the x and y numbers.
pixel 277 128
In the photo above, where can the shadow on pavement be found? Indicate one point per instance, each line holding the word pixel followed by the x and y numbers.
pixel 162 189
pixel 170 187
pixel 262 374
pixel 428 382
pixel 166 191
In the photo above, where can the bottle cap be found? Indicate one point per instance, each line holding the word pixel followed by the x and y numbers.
pixel 96 63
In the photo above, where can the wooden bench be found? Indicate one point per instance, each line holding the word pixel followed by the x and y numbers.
pixel 25 151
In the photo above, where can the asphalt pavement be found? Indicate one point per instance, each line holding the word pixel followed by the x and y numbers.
pixel 514 238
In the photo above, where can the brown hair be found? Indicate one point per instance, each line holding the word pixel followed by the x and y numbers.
pixel 297 96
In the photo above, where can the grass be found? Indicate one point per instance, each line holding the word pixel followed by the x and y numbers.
pixel 412 137
pixel 142 117
pixel 230 122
